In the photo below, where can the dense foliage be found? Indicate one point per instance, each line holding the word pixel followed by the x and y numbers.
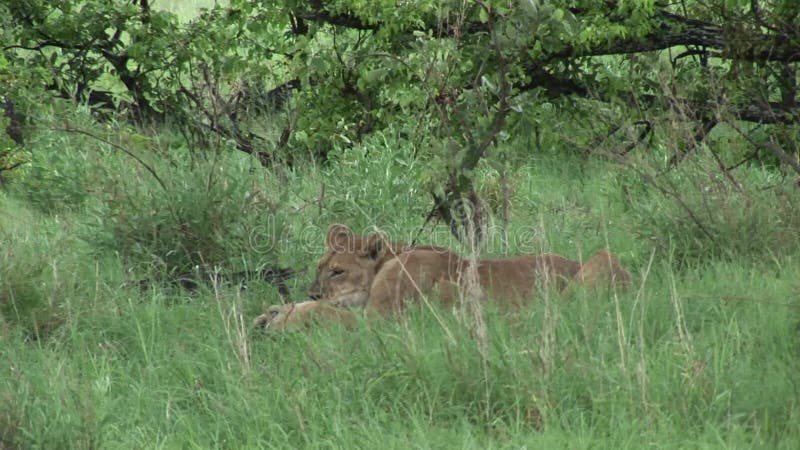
pixel 455 78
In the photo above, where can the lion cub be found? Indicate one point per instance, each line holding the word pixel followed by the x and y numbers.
pixel 382 277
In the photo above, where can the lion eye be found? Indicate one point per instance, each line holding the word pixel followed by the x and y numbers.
pixel 336 272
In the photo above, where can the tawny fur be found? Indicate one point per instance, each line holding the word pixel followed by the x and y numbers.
pixel 382 277
pixel 282 317
pixel 350 263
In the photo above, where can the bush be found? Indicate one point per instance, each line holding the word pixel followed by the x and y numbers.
pixel 57 174
pixel 699 214
pixel 37 285
pixel 206 213
pixel 22 301
pixel 55 182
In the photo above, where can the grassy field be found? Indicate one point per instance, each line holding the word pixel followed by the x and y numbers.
pixel 99 350
pixel 702 353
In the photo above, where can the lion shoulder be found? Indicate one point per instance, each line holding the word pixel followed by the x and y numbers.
pixel 603 268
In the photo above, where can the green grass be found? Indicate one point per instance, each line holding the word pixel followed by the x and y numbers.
pixel 699 355
pixel 153 373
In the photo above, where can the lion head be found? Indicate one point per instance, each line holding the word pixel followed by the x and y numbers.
pixel 346 269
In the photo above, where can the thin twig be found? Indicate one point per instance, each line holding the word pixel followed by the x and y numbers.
pixel 771 146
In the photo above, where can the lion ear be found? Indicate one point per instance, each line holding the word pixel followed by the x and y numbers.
pixel 338 237
pixel 375 247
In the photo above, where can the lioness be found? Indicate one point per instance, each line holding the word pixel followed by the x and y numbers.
pixel 349 277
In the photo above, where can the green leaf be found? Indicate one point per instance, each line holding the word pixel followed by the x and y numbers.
pixel 483 16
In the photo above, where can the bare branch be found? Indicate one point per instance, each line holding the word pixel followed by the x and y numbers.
pixel 773 148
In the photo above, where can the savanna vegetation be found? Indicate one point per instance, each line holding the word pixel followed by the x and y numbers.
pixel 168 170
